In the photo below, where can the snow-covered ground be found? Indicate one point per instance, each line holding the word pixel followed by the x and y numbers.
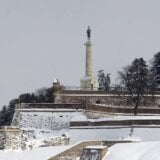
pixel 142 117
pixel 42 153
pixel 56 119
pixel 131 151
pixel 134 151
pixel 47 124
pixel 47 119
pixel 144 134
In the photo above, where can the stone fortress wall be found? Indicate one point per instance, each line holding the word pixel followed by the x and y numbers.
pixel 14 138
pixel 97 101
pixel 10 138
pixel 112 98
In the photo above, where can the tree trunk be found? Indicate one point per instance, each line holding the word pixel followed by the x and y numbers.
pixel 136 110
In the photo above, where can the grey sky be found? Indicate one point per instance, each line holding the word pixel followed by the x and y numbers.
pixel 43 39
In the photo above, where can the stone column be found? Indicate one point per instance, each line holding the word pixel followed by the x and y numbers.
pixel 88 82
pixel 89 65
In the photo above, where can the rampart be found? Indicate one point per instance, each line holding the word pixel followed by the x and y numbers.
pixel 128 122
pixel 101 97
pixel 97 101
pixel 50 105
pixel 118 109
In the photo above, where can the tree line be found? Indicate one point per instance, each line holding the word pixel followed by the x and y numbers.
pixel 43 95
pixel 137 79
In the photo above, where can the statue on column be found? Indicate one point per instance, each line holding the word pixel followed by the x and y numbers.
pixel 89 33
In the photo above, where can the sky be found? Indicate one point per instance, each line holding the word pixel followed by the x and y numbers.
pixel 41 40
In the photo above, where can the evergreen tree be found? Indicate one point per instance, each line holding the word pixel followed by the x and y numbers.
pixel 4 116
pixel 49 95
pixel 25 98
pixel 104 80
pixel 7 112
pixel 44 95
pixel 135 79
pixel 155 71
pixel 11 109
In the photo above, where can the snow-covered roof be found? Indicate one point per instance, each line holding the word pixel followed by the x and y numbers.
pixel 134 151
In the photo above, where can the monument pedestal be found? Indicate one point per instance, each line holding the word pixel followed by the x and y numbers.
pixel 89 84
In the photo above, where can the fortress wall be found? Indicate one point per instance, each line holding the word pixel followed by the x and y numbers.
pixel 111 109
pixel 45 119
pixel 91 98
pixel 109 99
pixel 49 105
pixel 116 122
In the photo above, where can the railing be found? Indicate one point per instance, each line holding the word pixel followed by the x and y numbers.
pixel 77 88
pixel 112 89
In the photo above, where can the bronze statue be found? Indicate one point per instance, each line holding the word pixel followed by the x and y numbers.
pixel 89 33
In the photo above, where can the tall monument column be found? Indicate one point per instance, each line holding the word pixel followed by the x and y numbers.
pixel 89 66
pixel 88 82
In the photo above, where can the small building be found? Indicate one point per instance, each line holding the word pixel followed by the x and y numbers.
pixel 93 152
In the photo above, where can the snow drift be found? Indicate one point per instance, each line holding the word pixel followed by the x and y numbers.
pixel 134 151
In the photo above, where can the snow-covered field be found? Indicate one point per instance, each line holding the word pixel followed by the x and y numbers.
pixel 134 151
pixel 42 153
pixel 144 134
pixel 49 124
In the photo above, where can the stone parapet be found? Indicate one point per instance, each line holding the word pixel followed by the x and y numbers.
pixel 49 105
pixel 119 110
pixel 128 122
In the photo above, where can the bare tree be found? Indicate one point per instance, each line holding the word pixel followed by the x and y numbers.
pixel 134 78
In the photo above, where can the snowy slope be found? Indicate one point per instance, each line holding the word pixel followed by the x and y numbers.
pixel 131 151
pixel 118 118
pixel 43 153
pixel 47 120
pixel 134 151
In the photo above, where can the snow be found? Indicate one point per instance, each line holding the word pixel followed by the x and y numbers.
pixel 115 117
pixel 48 120
pixel 59 119
pixel 143 134
pixel 134 151
pixel 54 123
pixel 47 124
pixel 43 153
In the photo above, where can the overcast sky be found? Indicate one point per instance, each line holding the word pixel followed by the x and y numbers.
pixel 44 39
